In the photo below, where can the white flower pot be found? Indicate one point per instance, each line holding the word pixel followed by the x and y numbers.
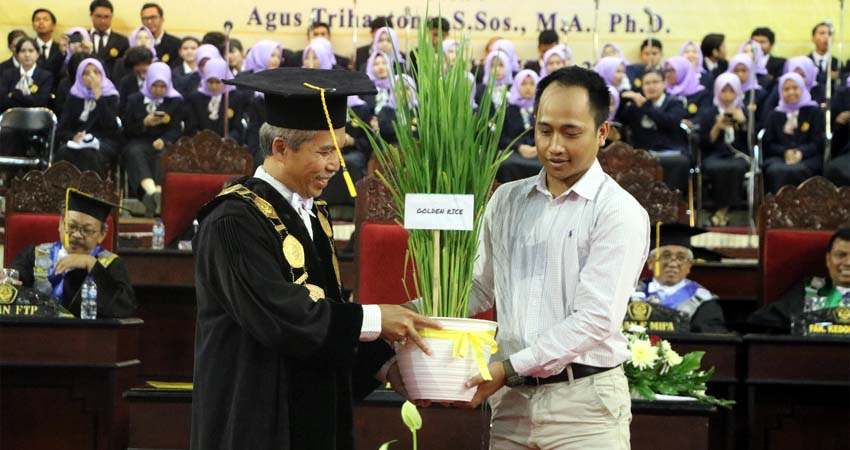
pixel 442 377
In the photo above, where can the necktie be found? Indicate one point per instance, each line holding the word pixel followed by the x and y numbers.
pixel 44 51
pixel 100 37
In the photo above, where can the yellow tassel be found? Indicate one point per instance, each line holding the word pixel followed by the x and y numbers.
pixel 66 237
pixel 657 268
pixel 348 182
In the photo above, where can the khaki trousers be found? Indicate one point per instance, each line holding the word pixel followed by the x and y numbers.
pixel 590 413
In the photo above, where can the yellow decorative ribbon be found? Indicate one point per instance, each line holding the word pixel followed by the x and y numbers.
pixel 463 341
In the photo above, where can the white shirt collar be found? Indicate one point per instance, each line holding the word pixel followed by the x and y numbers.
pixel 656 286
pixel 660 102
pixel 187 68
pixel 28 72
pixel 586 186
pixel 15 63
pixel 158 39
pixel 106 33
pixel 42 43
pixel 297 202
pixel 710 65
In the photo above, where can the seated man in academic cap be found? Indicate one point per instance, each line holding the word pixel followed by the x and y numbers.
pixel 670 287
pixel 811 293
pixel 58 269
pixel 280 353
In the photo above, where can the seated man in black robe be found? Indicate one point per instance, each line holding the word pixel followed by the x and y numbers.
pixel 671 288
pixel 811 294
pixel 279 352
pixel 58 269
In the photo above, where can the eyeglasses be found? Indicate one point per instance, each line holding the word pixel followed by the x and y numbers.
pixel 149 18
pixel 83 230
pixel 678 257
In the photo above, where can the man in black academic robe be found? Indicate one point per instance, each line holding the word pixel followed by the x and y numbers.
pixel 671 288
pixel 58 269
pixel 279 352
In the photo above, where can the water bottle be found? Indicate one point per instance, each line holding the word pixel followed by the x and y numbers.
pixel 158 238
pixel 88 308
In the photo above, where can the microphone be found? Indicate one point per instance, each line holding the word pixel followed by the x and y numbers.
pixel 228 25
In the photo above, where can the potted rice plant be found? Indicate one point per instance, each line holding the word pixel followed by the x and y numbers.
pixel 445 146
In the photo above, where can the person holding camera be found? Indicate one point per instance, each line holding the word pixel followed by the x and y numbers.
pixel 724 145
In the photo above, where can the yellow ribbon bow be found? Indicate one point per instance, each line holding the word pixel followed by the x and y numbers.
pixel 463 341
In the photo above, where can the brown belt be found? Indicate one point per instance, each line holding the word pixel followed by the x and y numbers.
pixel 579 371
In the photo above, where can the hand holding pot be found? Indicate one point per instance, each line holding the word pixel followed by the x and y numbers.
pixel 399 324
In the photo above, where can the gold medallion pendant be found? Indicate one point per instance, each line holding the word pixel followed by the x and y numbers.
pixel 293 251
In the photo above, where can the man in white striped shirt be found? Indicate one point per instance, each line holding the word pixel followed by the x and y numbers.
pixel 559 255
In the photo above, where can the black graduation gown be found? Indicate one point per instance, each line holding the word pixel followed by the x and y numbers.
pixel 697 105
pixel 101 122
pixel 114 49
pixel 128 86
pixel 808 137
pixel 775 66
pixel 168 49
pixel 136 111
pixel 274 370
pixel 775 317
pixel 514 127
pixel 185 83
pixel 54 63
pixel 841 133
pixel 197 116
pixel 115 297
pixel 12 98
pixel 667 135
pixel 8 64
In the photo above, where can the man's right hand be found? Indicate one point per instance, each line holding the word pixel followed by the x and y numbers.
pixel 399 324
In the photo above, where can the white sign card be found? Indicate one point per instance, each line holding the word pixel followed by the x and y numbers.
pixel 438 212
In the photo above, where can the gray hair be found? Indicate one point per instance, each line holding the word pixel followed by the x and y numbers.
pixel 294 138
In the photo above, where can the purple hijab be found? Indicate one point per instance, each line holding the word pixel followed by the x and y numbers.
pixel 615 97
pixel 80 90
pixel 208 52
pixel 761 61
pixel 805 95
pixel 396 56
pixel 411 83
pixel 808 67
pixel 379 82
pixel 448 44
pixel 607 68
pixel 684 46
pixel 731 80
pixel 506 63
pixel 687 81
pixel 259 55
pixel 144 29
pixel 616 48
pixel 514 98
pixel 745 59
pixel 216 68
pixel 561 50
pixel 159 71
pixel 324 52
pixel 507 47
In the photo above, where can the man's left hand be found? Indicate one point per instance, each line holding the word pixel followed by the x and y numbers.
pixel 486 388
pixel 395 380
pixel 75 261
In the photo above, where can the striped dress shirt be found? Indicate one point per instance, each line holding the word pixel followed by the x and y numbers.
pixel 560 271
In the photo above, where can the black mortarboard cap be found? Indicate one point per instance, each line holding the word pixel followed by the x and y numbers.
pixel 291 104
pixel 681 234
pixel 675 234
pixel 88 204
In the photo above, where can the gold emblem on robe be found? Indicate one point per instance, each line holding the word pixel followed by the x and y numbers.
pixel 8 293
pixel 293 251
pixel 639 311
